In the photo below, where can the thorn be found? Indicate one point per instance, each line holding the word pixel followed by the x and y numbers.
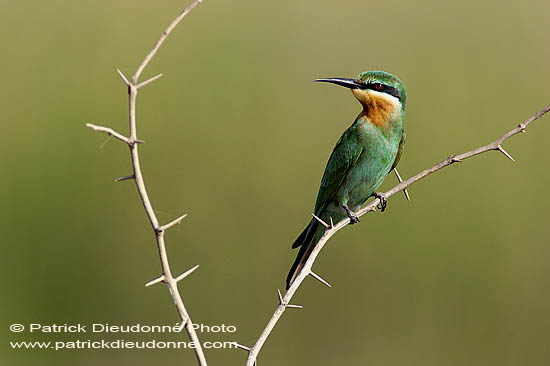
pixel 247 349
pixel 331 223
pixel 181 325
pixel 155 281
pixel 319 278
pixel 186 273
pixel 405 191
pixel 141 85
pixel 123 77
pixel 499 148
pixel 454 159
pixel 521 127
pixel 321 221
pixel 283 303
pixel 280 297
pixel 132 141
pixel 128 177
pixel 172 223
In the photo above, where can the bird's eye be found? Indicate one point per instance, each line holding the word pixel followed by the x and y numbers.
pixel 378 86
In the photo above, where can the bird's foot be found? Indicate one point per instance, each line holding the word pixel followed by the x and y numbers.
pixel 353 218
pixel 383 200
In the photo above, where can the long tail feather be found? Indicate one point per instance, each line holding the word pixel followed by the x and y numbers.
pixel 306 242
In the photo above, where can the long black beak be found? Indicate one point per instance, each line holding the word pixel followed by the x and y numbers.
pixel 346 83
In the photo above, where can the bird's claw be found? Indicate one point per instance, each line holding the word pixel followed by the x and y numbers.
pixel 383 201
pixel 353 218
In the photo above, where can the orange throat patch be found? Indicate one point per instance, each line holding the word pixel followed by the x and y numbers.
pixel 379 108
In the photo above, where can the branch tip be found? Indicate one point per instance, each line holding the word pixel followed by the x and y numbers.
pixel 155 281
pixel 319 278
pixel 321 221
pixel 499 148
pixel 186 273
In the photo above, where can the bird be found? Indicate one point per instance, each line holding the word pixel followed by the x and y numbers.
pixel 363 156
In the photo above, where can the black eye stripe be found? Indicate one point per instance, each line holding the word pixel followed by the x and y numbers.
pixel 384 89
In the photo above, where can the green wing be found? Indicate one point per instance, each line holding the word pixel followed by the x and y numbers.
pixel 399 150
pixel 343 157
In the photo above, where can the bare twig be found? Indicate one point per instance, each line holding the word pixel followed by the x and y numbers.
pixel 162 38
pixel 109 131
pixel 132 141
pixel 333 229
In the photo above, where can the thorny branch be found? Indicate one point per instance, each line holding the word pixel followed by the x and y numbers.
pixel 132 141
pixel 331 229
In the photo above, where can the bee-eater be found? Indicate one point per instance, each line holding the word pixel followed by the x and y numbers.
pixel 367 151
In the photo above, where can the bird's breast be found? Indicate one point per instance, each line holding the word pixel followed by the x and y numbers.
pixel 374 163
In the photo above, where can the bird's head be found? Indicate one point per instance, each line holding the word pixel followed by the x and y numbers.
pixel 375 89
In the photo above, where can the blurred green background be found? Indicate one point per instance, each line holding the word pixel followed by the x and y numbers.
pixel 238 136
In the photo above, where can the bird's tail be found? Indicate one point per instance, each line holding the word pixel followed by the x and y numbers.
pixel 306 243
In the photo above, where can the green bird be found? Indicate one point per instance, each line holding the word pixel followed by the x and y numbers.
pixel 367 151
